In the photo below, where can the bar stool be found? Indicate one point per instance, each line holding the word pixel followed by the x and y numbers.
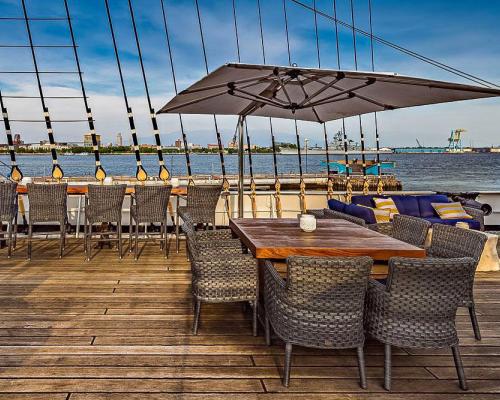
pixel 8 213
pixel 149 204
pixel 48 203
pixel 103 204
pixel 201 203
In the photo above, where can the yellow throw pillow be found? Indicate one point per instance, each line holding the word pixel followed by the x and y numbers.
pixel 450 211
pixel 386 204
pixel 381 216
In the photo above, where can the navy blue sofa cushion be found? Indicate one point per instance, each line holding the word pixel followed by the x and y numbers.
pixel 473 224
pixel 337 205
pixel 361 212
pixel 363 200
pixel 425 207
pixel 407 205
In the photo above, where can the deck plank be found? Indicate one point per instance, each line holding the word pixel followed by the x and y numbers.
pixel 114 329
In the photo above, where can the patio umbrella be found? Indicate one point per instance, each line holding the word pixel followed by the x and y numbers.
pixel 309 94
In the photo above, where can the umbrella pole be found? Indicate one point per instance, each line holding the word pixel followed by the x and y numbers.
pixel 241 164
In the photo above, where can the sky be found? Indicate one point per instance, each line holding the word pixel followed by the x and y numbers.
pixel 463 34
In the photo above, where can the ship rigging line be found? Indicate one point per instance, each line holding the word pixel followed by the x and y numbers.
pixel 361 132
pixel 141 173
pixel 329 183
pixel 302 194
pixel 174 80
pixel 99 173
pixel 402 49
pixel 380 183
pixel 57 172
pixel 225 182
pixel 163 172
pixel 15 173
pixel 253 186
pixel 277 184
pixel 344 132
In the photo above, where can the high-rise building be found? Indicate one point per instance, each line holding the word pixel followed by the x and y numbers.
pixel 179 144
pixel 119 139
pixel 87 140
pixel 17 139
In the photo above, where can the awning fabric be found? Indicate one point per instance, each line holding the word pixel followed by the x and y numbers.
pixel 312 94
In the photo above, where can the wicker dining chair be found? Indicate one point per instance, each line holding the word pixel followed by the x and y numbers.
pixel 222 273
pixel 8 213
pixel 452 242
pixel 48 203
pixel 201 202
pixel 408 229
pixel 149 204
pixel 320 305
pixel 103 205
pixel 418 305
pixel 326 213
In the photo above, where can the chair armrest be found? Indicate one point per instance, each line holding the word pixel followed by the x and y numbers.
pixel 211 251
pixel 221 234
pixel 384 228
pixel 320 214
pixel 377 297
pixel 235 265
pixel 476 214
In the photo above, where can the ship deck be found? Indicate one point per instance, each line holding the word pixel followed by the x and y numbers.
pixel 121 330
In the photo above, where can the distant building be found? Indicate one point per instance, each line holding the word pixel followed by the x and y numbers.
pixel 211 146
pixel 193 146
pixel 232 144
pixel 179 144
pixel 17 140
pixel 87 140
pixel 119 139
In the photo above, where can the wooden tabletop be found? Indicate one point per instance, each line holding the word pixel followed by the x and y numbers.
pixel 280 238
pixel 82 189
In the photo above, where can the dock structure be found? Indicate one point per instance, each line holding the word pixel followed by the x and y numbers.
pixel 113 329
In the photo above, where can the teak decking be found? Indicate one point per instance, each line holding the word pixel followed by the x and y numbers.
pixel 121 330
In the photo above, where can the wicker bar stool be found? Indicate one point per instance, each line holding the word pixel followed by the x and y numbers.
pixel 149 204
pixel 320 305
pixel 8 213
pixel 48 203
pixel 201 202
pixel 221 273
pixel 452 242
pixel 411 230
pixel 418 305
pixel 103 204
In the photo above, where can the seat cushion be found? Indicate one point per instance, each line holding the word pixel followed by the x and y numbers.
pixel 425 204
pixel 407 205
pixel 337 205
pixel 364 213
pixel 472 222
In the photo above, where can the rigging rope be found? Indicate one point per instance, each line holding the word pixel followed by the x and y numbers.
pixel 163 172
pixel 174 80
pixel 302 195
pixel 15 172
pixel 141 173
pixel 57 172
pixel 344 132
pixel 402 49
pixel 366 186
pixel 99 172
pixel 380 182
pixel 277 184
pixel 225 182
pixel 253 186
pixel 329 183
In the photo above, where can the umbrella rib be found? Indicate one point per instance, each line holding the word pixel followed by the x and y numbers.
pixel 344 91
pixel 377 103
pixel 349 96
pixel 319 91
pixel 256 102
pixel 282 84
pixel 259 97
pixel 254 80
pixel 191 102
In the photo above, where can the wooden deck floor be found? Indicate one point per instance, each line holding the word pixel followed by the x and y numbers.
pixel 113 329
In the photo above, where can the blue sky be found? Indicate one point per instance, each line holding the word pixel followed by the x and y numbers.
pixel 462 33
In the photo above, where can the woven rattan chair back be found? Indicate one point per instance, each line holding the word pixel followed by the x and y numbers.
pixel 47 202
pixel 449 241
pixel 152 202
pixel 202 202
pixel 105 203
pixel 338 215
pixel 411 230
pixel 329 284
pixel 8 201
pixel 428 289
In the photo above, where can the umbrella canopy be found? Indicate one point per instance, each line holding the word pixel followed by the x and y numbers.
pixel 312 94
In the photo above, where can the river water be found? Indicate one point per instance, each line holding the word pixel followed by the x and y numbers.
pixel 445 172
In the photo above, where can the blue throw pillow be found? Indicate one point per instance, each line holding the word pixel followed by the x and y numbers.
pixel 336 205
pixel 425 207
pixel 361 212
